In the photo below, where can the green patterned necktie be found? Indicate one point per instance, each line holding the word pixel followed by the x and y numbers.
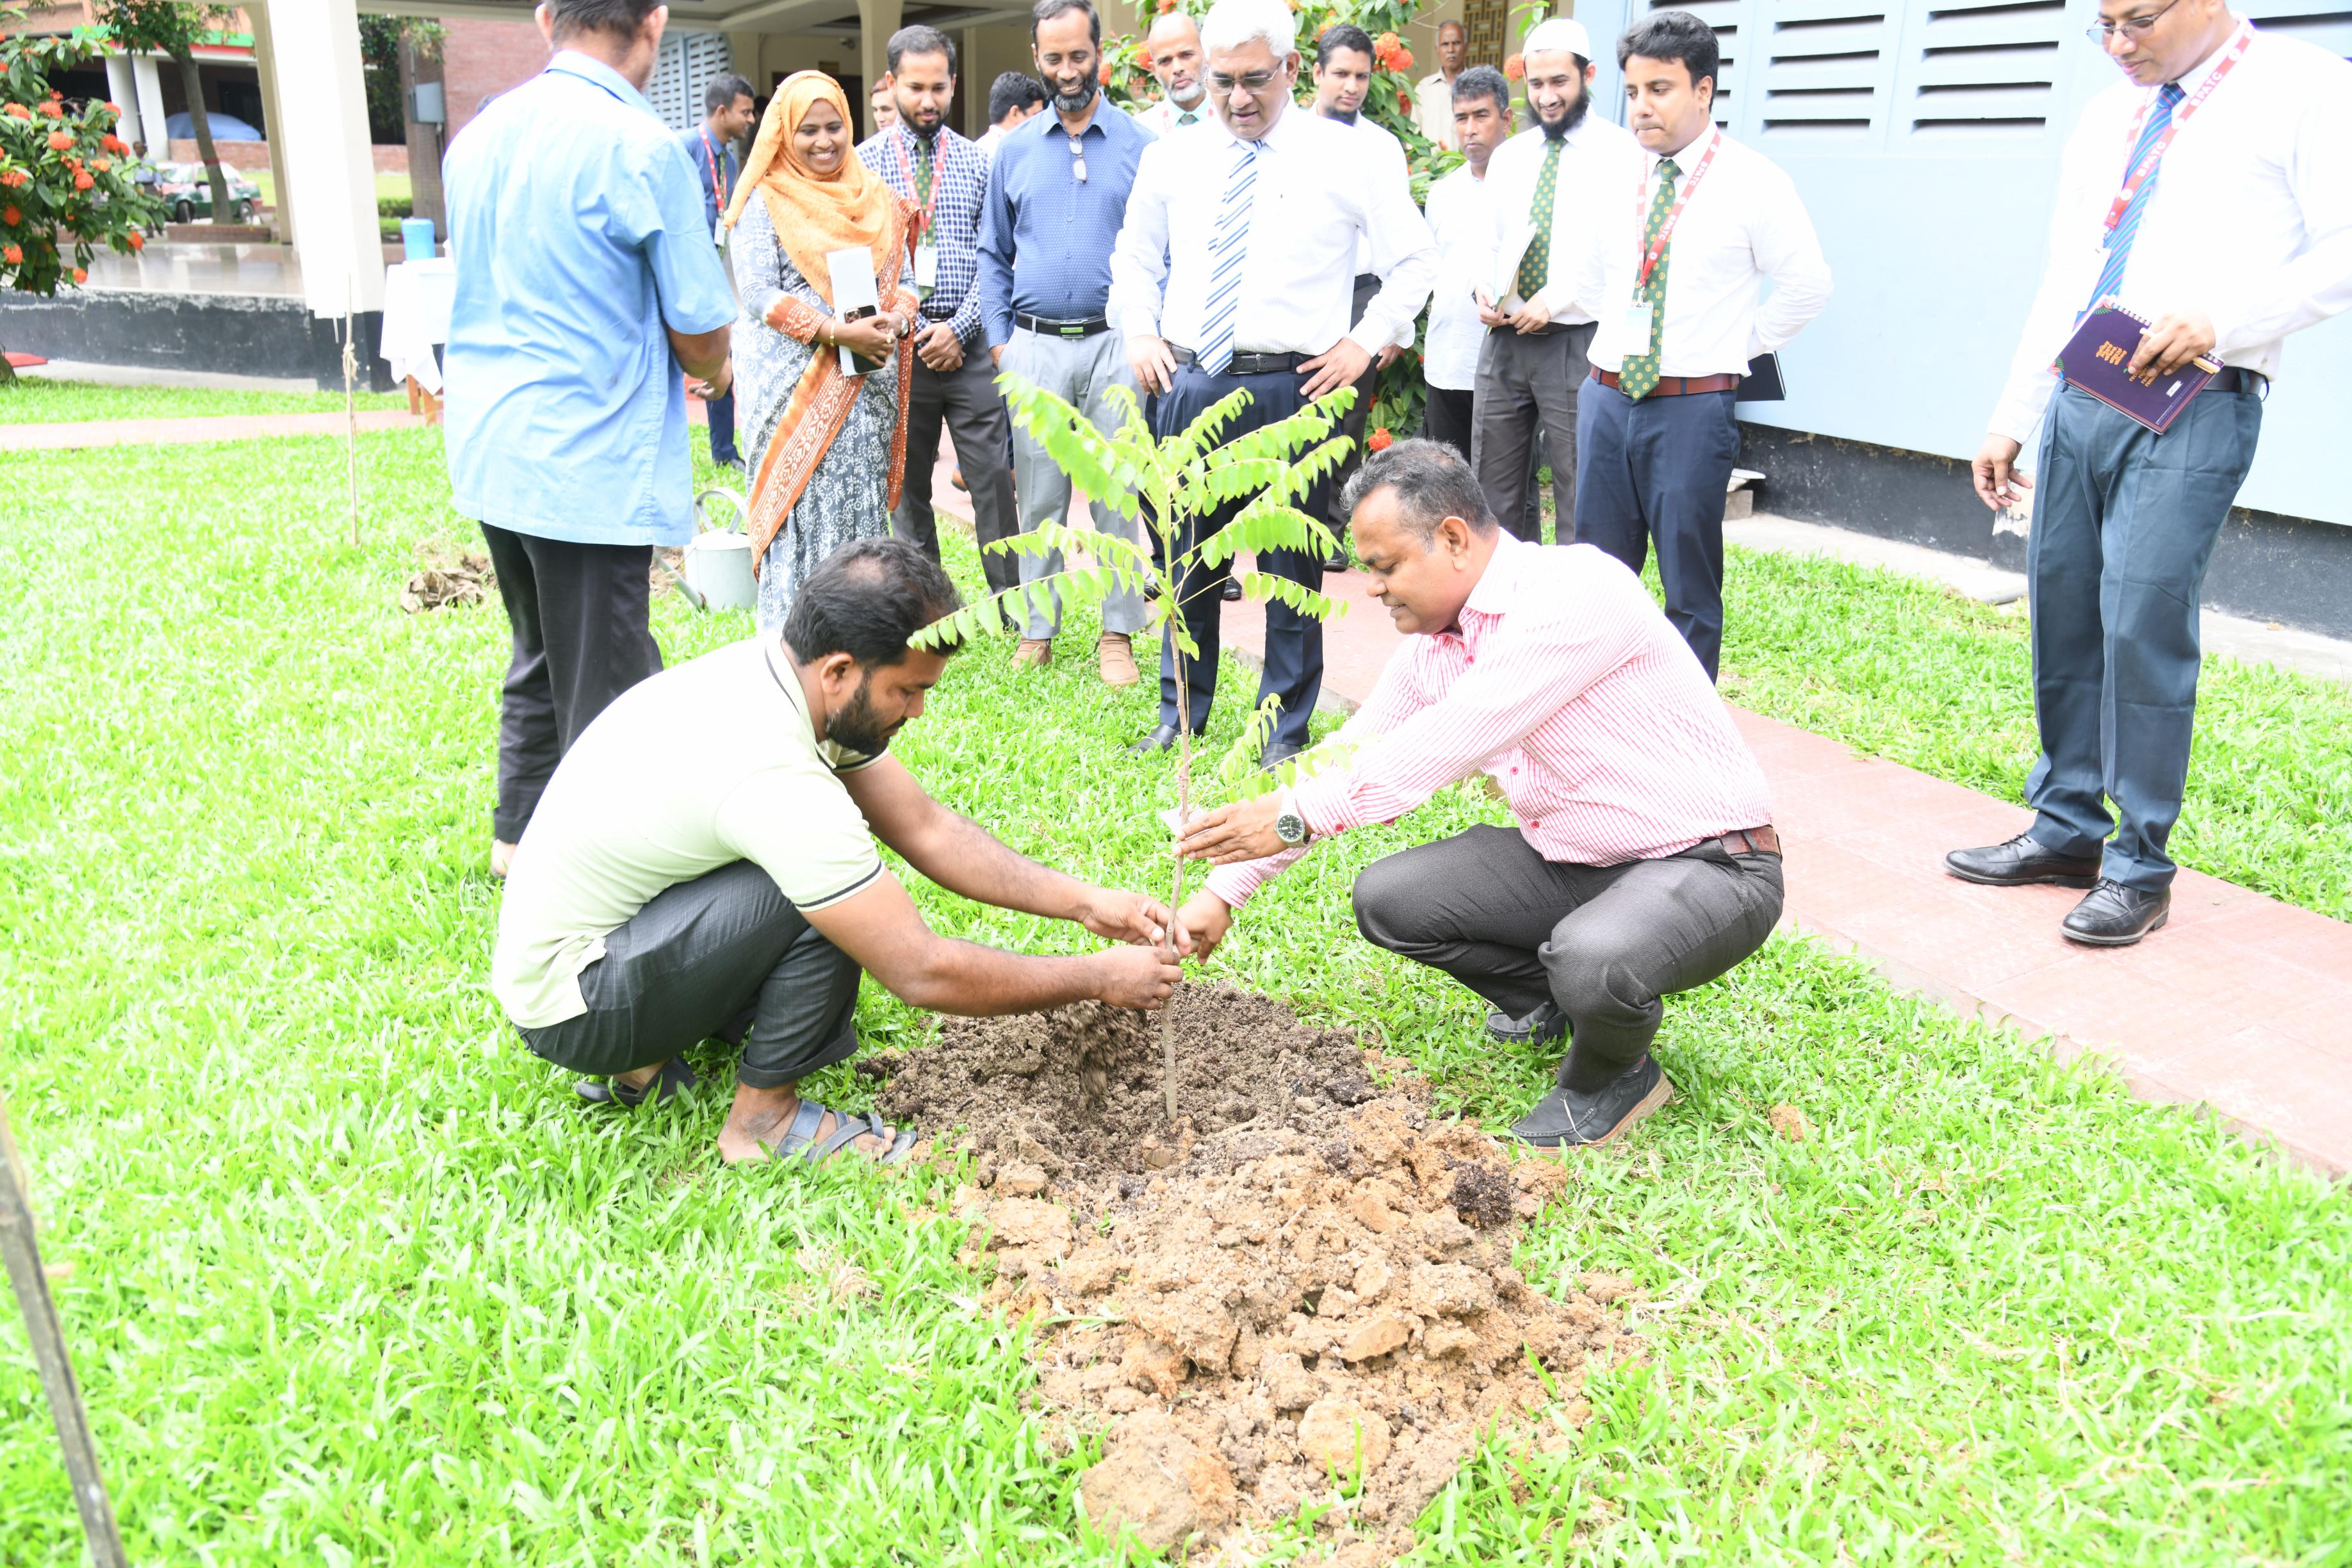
pixel 922 173
pixel 1638 377
pixel 1535 265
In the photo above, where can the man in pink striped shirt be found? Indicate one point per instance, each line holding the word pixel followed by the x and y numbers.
pixel 1643 861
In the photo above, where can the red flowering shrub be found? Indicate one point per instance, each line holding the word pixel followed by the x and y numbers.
pixel 1379 440
pixel 1515 68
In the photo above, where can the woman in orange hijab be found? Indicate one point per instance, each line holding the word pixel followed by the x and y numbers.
pixel 827 445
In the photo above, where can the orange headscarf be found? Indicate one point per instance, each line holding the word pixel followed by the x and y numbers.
pixel 816 215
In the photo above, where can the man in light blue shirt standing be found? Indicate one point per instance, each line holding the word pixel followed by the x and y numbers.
pixel 586 278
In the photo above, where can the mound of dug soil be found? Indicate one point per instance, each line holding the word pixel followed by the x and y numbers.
pixel 1305 1294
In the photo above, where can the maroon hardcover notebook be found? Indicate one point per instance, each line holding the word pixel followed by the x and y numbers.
pixel 2095 357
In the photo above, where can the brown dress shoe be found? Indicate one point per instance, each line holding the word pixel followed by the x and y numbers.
pixel 1033 651
pixel 1115 654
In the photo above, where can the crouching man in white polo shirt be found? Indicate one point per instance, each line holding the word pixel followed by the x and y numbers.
pixel 703 865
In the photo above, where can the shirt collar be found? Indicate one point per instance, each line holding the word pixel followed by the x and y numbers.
pixel 1285 127
pixel 1492 596
pixel 1687 158
pixel 587 67
pixel 1052 120
pixel 2194 77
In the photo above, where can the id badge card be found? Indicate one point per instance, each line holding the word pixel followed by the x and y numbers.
pixel 926 267
pixel 1639 318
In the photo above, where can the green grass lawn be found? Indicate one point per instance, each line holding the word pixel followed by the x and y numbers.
pixel 34 400
pixel 355 1280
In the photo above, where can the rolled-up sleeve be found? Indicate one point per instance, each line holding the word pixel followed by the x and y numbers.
pixel 663 210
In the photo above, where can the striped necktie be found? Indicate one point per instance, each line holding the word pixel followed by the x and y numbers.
pixel 1228 258
pixel 2119 239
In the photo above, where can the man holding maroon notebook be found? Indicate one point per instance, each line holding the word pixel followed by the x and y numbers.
pixel 2211 197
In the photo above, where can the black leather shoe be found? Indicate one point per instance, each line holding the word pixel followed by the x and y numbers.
pixel 1546 1025
pixel 2116 916
pixel 1564 1118
pixel 2022 861
pixel 1231 591
pixel 1276 752
pixel 1162 736
pixel 674 1079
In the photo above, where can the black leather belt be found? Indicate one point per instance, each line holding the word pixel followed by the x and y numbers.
pixel 1248 365
pixel 2237 378
pixel 1046 326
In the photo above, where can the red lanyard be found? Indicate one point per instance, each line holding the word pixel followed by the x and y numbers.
pixel 717 180
pixel 1657 248
pixel 906 165
pixel 2141 174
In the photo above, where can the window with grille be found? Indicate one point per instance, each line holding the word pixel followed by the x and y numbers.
pixel 687 63
pixel 1482 27
pixel 1822 69
pixel 1982 69
pixel 1724 16
pixel 2314 23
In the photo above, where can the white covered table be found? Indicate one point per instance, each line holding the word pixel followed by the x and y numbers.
pixel 416 298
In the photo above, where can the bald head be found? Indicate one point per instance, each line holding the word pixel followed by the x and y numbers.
pixel 1173 47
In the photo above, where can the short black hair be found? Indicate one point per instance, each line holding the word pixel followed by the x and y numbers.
pixel 722 91
pixel 567 18
pixel 1341 36
pixel 1046 10
pixel 920 41
pixel 866 600
pixel 1432 483
pixel 1674 36
pixel 1011 91
pixel 1486 82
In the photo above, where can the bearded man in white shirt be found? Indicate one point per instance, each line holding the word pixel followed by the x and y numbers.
pixel 1234 271
pixel 2212 196
pixel 1173 48
pixel 1531 367
pixel 1676 291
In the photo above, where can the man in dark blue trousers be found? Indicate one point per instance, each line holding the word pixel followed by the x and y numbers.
pixel 710 147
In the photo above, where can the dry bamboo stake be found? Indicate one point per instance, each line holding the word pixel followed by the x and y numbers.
pixel 48 1336
pixel 351 404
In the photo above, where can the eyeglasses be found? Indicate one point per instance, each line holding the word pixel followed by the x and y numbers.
pixel 2130 26
pixel 1078 160
pixel 1258 81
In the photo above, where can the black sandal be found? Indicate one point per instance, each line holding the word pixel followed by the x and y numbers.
pixel 800 1139
pixel 674 1079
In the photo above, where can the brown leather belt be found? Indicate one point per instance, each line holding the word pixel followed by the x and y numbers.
pixel 1751 841
pixel 1676 385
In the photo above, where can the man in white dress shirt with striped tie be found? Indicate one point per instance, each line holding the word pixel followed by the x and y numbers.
pixel 2209 194
pixel 1234 271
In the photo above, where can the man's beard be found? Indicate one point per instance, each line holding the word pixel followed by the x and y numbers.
pixel 1346 116
pixel 857 728
pixel 1076 102
pixel 1568 121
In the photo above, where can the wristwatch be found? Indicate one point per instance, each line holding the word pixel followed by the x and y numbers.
pixel 1288 826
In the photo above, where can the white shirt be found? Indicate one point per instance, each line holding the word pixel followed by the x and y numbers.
pixel 987 140
pixel 1432 110
pixel 1458 217
pixel 2250 223
pixel 1160 118
pixel 1595 156
pixel 1298 281
pixel 1743 225
pixel 709 763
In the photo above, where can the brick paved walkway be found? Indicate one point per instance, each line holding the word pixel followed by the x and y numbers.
pixel 2240 1003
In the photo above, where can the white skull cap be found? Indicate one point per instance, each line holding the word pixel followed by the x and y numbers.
pixel 1558 33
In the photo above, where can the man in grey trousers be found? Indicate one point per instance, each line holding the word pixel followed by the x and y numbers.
pixel 1057 194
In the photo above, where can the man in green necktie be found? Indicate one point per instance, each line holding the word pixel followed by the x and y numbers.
pixel 1173 48
pixel 1541 185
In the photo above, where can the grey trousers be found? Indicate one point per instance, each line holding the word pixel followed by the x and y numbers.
pixel 1528 386
pixel 1082 371
pixel 1606 942
pixel 966 400
pixel 2124 523
pixel 725 956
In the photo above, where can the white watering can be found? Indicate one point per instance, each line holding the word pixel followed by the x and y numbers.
pixel 716 574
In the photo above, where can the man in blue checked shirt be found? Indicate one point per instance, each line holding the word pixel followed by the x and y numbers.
pixel 947 178
pixel 726 118
pixel 585 279
pixel 1057 194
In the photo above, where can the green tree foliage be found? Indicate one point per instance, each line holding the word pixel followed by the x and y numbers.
pixel 65 185
pixel 174 28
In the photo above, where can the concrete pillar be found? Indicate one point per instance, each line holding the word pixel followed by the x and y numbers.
pixel 150 83
pixel 747 49
pixel 971 111
pixel 876 20
pixel 273 128
pixel 331 173
pixel 123 91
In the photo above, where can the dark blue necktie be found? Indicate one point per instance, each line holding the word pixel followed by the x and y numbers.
pixel 2119 239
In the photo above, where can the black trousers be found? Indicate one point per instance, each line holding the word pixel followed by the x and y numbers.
pixel 1606 942
pixel 722 414
pixel 1659 470
pixel 578 616
pixel 1294 642
pixel 1451 417
pixel 1528 389
pixel 725 956
pixel 1359 416
pixel 966 401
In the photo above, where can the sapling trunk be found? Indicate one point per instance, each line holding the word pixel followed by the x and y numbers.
pixel 1176 892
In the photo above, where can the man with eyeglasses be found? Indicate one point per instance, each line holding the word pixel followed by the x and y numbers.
pixel 1235 271
pixel 2211 195
pixel 1057 195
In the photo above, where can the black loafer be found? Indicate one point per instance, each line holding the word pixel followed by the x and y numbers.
pixel 1564 1118
pixel 1231 591
pixel 674 1079
pixel 1276 752
pixel 2116 916
pixel 1546 1025
pixel 2019 862
pixel 1162 736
